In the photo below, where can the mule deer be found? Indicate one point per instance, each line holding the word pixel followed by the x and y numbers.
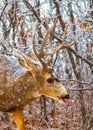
pixel 22 80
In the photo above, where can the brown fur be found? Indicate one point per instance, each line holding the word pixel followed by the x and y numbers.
pixel 21 82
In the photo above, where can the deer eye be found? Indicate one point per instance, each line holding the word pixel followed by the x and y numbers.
pixel 50 80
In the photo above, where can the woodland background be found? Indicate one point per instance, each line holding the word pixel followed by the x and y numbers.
pixel 73 65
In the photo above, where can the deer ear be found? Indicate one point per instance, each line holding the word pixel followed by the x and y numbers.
pixel 21 59
pixel 26 61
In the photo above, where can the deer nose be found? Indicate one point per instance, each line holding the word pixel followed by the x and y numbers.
pixel 67 96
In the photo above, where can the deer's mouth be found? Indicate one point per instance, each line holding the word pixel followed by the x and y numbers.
pixel 66 99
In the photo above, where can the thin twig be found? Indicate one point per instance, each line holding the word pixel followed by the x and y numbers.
pixel 81 82
pixel 80 89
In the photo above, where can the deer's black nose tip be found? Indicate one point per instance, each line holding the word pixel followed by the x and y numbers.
pixel 67 97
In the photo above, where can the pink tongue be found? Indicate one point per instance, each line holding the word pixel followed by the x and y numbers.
pixel 67 101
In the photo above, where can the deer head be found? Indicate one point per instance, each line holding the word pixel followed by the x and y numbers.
pixel 41 70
